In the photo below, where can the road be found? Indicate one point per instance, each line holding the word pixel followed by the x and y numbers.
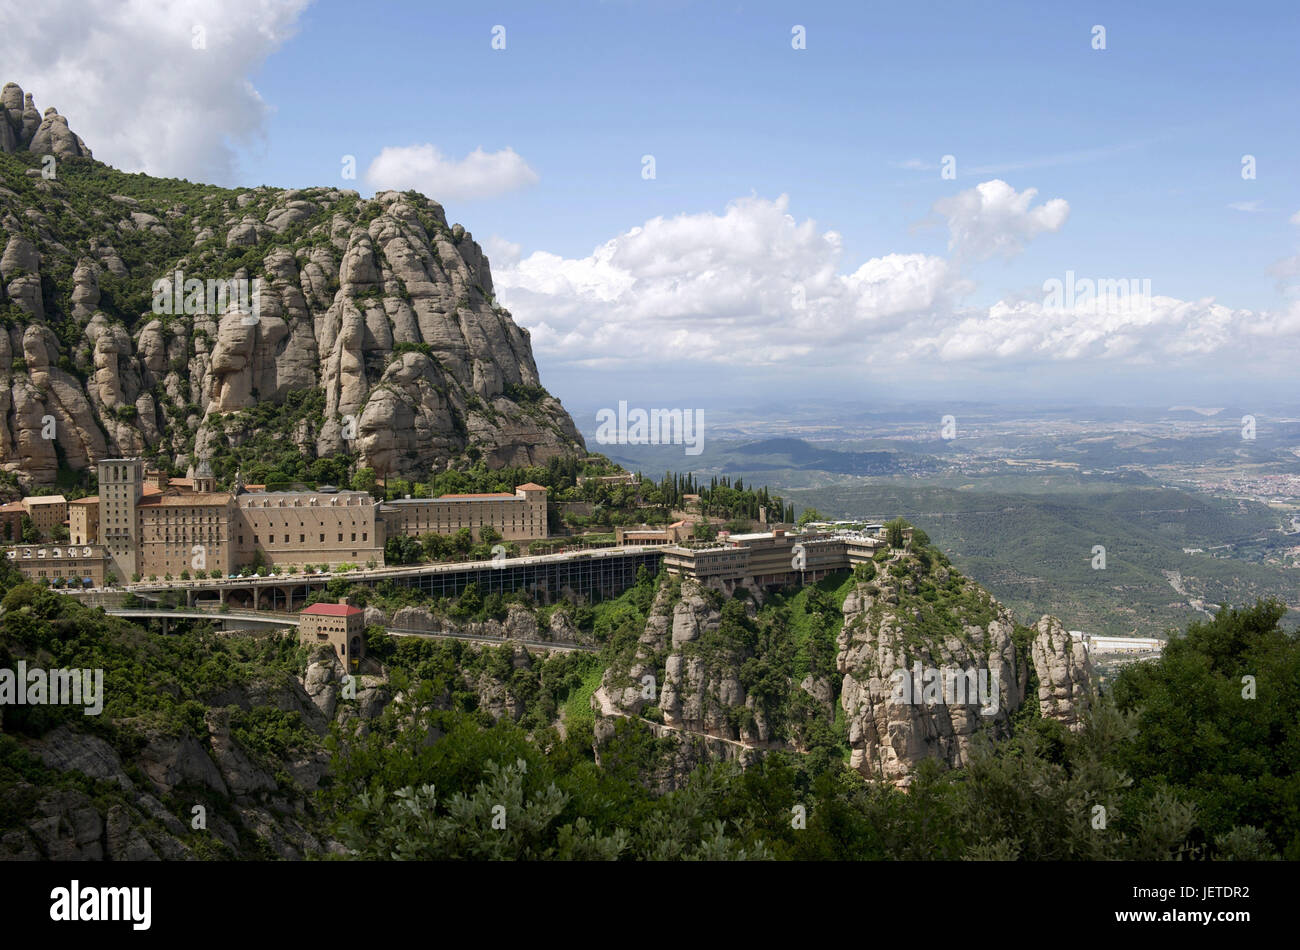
pixel 272 618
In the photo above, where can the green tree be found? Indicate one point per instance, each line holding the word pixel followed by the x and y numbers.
pixel 365 480
pixel 810 514
pixel 894 533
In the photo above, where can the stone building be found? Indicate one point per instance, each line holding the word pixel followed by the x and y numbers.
pixel 184 531
pixel 517 516
pixel 71 565
pixel 83 520
pixel 121 484
pixel 306 527
pixel 341 625
pixel 11 521
pixel 48 512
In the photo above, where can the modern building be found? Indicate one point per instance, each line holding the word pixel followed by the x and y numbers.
pixel 516 516
pixel 674 533
pixel 341 625
pixel 769 558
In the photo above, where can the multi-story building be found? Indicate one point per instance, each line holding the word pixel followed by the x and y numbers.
pixel 674 533
pixel 146 525
pixel 769 558
pixel 11 521
pixel 185 531
pixel 83 520
pixel 71 565
pixel 121 484
pixel 517 516
pixel 306 527
pixel 341 625
pixel 48 513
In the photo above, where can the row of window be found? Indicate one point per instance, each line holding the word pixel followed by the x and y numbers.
pixel 302 538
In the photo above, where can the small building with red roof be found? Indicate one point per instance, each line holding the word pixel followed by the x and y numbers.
pixel 341 625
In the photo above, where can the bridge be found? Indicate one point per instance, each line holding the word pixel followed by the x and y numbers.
pixel 594 574
pixel 243 619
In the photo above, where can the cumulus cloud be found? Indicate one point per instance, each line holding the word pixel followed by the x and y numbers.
pixel 993 219
pixel 500 252
pixel 133 84
pixel 752 287
pixel 479 174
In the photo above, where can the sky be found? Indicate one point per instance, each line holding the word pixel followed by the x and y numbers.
pixel 713 203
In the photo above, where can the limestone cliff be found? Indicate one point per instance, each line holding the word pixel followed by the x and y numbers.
pixel 379 304
pixel 916 663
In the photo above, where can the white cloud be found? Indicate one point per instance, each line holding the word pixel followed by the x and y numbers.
pixel 749 286
pixel 500 252
pixel 993 219
pixel 1249 207
pixel 132 84
pixel 753 286
pixel 479 174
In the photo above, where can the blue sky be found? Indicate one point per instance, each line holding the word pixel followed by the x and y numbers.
pixel 1143 141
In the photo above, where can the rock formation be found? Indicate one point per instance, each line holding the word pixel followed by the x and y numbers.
pixel 379 304
pixel 925 661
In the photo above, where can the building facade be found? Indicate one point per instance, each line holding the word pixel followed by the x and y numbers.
pixel 60 565
pixel 517 516
pixel 11 521
pixel 121 483
pixel 300 527
pixel 83 520
pixel 48 513
pixel 340 625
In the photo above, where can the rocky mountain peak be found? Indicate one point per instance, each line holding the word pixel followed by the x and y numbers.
pixel 164 318
pixel 23 129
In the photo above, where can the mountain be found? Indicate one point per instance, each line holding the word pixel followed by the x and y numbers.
pixel 818 672
pixel 378 310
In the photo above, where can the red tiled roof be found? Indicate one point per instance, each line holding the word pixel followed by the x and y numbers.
pixel 531 486
pixel 489 494
pixel 332 610
pixel 155 499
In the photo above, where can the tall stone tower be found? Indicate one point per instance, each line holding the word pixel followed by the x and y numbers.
pixel 121 482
